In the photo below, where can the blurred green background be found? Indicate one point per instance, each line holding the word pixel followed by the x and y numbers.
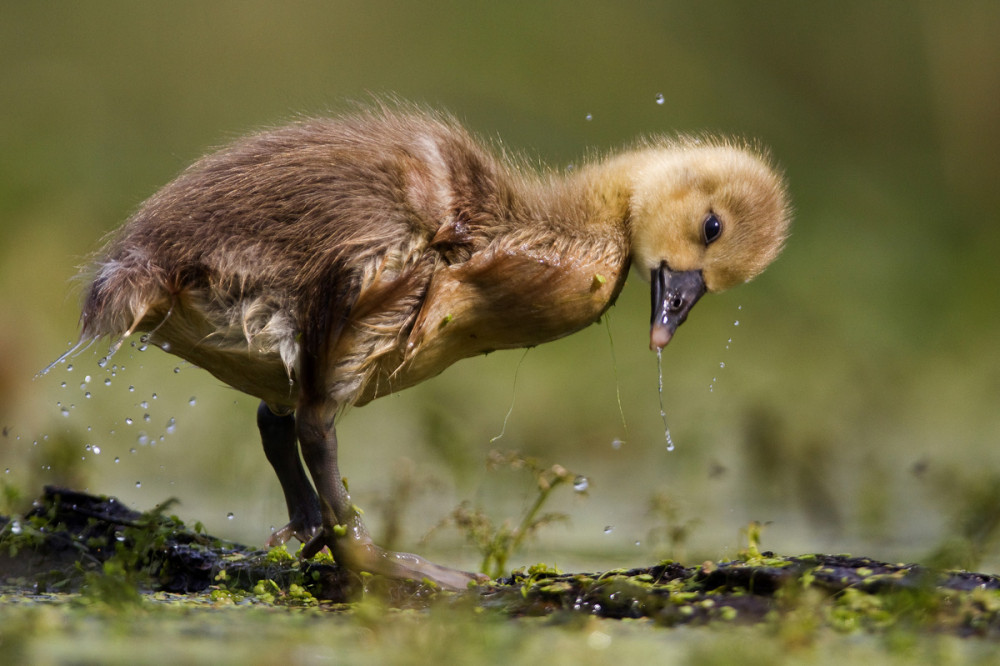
pixel 857 409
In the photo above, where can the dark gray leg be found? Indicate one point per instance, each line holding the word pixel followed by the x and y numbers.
pixel 277 433
pixel 343 530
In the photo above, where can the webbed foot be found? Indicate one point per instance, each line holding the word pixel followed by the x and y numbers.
pixel 298 529
pixel 359 554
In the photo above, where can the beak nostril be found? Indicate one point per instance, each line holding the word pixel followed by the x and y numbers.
pixel 676 303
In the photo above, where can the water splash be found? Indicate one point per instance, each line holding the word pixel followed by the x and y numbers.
pixel 663 413
pixel 722 364
pixel 513 395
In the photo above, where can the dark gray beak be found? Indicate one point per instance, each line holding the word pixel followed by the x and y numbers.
pixel 674 294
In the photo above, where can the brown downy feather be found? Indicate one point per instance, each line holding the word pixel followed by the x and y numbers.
pixel 362 255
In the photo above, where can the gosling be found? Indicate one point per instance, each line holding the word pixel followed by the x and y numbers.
pixel 334 261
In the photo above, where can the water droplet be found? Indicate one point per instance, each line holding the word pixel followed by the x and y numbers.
pixel 63 385
pixel 132 450
pixel 144 404
pixel 608 528
pixel 165 346
pixel 230 515
pixel 64 411
pixel 192 400
pixel 616 444
pixel 138 484
pixel 146 417
pixel 128 420
pixel 663 413
pixel 581 483
pixel 589 117
pixel 722 364
pixel 107 381
pixel 142 439
pixel 86 379
pixel 660 99
pixel 142 347
pixel 15 527
pixel 117 459
pixel 103 362
pixel 69 368
pixel 176 370
pixel 97 450
pixel 171 425
pixel 638 543
pixel 87 394
pixel 155 396
pixel 736 323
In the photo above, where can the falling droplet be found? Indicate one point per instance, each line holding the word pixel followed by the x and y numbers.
pixel 660 99
pixel 608 529
pixel 176 370
pixel 663 413
pixel 146 417
pixel 131 389
pixel 107 382
pixel 63 385
pixel 589 117
pixel 87 394
pixel 192 400
pixel 581 483
pixel 171 425
pixel 128 420
pixel 138 484
pixel 69 368
pixel 117 459
pixel 230 515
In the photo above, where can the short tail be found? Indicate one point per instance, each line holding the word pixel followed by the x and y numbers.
pixel 122 293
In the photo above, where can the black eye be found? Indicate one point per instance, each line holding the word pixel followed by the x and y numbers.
pixel 711 228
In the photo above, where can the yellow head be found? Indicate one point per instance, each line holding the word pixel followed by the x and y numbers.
pixel 704 215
